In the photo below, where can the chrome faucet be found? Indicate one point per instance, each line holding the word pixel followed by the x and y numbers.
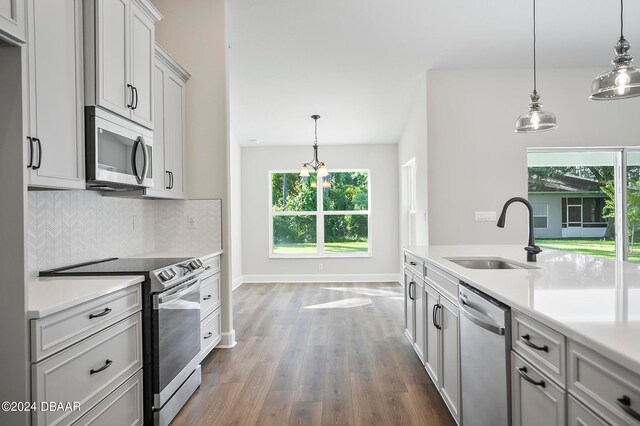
pixel 532 249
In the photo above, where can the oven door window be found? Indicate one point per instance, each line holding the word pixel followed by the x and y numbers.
pixel 178 335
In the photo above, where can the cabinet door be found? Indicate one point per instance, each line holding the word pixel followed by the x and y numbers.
pixel 579 415
pixel 111 56
pixel 174 132
pixel 409 314
pixel 12 18
pixel 141 56
pixel 421 307
pixel 449 354
pixel 432 334
pixel 55 93
pixel 160 179
pixel 536 399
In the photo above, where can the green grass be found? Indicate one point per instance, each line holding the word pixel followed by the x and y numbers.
pixel 306 248
pixel 590 246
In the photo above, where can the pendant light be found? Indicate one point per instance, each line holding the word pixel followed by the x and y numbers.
pixel 623 81
pixel 535 120
pixel 315 164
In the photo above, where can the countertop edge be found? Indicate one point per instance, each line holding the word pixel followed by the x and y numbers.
pixel 570 333
pixel 126 281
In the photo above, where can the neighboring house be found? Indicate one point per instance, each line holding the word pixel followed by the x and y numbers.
pixel 568 206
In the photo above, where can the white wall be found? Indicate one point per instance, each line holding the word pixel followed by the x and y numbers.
pixel 476 161
pixel 381 160
pixel 235 216
pixel 194 32
pixel 413 144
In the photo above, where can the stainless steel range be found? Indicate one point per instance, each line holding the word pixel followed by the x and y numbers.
pixel 171 327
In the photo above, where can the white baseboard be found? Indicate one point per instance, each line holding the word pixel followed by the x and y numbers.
pixel 228 340
pixel 321 278
pixel 237 282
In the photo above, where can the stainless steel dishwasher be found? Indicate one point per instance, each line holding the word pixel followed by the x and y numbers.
pixel 484 357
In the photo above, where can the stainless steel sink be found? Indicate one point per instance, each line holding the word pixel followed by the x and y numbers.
pixel 487 263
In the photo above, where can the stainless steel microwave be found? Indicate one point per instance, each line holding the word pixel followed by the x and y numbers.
pixel 119 153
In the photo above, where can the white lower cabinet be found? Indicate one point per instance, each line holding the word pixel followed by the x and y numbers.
pixel 420 310
pixel 432 352
pixel 122 407
pixel 102 371
pixel 210 326
pixel 579 415
pixel 450 355
pixel 535 399
pixel 409 306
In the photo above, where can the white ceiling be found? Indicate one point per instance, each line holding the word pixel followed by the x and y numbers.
pixel 357 62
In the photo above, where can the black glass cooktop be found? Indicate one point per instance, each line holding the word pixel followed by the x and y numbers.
pixel 116 266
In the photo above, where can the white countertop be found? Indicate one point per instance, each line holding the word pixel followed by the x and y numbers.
pixel 50 295
pixel 171 253
pixel 591 300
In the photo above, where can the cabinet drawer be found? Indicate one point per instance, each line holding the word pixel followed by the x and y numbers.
pixel 443 282
pixel 539 345
pixel 609 389
pixel 415 264
pixel 211 264
pixel 210 333
pixel 209 295
pixel 122 407
pixel 536 399
pixel 88 371
pixel 53 333
pixel 579 415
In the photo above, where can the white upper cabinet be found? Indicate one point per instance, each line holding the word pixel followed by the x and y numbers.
pixel 12 19
pixel 119 46
pixel 55 137
pixel 169 127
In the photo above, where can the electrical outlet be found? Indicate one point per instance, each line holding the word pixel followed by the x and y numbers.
pixel 191 222
pixel 320 266
pixel 486 216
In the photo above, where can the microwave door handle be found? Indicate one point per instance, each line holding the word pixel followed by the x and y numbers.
pixel 134 154
pixel 145 154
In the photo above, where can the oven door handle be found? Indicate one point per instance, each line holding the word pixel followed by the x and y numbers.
pixel 178 294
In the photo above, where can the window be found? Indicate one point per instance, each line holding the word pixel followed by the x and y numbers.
pixel 540 215
pixel 316 217
pixel 593 200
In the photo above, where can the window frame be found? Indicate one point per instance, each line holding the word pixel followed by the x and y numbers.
pixel 546 215
pixel 320 214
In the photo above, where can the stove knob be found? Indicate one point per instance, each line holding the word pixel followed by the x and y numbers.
pixel 193 265
pixel 200 263
pixel 164 275
pixel 172 272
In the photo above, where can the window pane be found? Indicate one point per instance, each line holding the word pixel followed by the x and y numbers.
pixel 292 193
pixel 346 233
pixel 578 188
pixel 539 222
pixel 633 205
pixel 539 209
pixel 294 234
pixel 348 191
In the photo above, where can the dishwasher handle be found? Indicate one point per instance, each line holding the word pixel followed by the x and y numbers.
pixel 466 310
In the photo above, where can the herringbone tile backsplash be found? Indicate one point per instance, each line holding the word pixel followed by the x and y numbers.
pixel 67 227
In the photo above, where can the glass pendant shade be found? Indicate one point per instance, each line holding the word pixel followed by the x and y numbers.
pixel 313 184
pixel 621 82
pixel 536 120
pixel 304 172
pixel 322 170
pixel 326 184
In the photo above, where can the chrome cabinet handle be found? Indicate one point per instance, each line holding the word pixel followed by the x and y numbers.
pixel 130 87
pixel 207 297
pixel 135 91
pixel 171 173
pixel 168 186
pixel 625 404
pixel 37 140
pixel 526 339
pixel 30 139
pixel 208 335
pixel 106 365
pixel 101 314
pixel 523 373
pixel 436 323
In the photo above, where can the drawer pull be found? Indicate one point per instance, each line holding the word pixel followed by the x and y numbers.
pixel 526 339
pixel 101 314
pixel 208 335
pixel 625 404
pixel 207 268
pixel 523 373
pixel 106 365
pixel 207 297
pixel 412 263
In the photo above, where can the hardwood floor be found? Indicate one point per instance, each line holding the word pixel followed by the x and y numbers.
pixel 316 354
